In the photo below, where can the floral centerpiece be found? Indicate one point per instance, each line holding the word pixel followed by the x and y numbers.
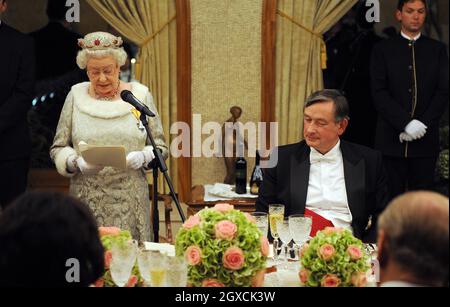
pixel 334 258
pixel 109 236
pixel 223 247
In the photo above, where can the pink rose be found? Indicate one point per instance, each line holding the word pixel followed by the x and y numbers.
pixel 223 207
pixel 331 230
pixel 250 218
pixel 212 283
pixel 303 250
pixel 132 281
pixel 191 222
pixel 330 280
pixel 100 283
pixel 225 230
pixel 258 279
pixel 304 276
pixel 108 258
pixel 264 246
pixel 354 252
pixel 359 279
pixel 193 255
pixel 233 259
pixel 327 251
pixel 109 231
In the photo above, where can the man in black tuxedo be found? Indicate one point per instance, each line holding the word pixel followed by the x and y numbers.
pixel 341 181
pixel 410 90
pixel 16 90
pixel 56 44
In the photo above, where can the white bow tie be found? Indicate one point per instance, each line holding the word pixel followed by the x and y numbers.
pixel 316 157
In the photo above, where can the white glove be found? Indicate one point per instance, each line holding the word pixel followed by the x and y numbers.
pixel 138 159
pixel 71 164
pixel 405 137
pixel 75 163
pixel 416 129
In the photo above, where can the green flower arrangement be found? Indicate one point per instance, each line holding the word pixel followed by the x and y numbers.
pixel 223 247
pixel 443 164
pixel 109 236
pixel 334 258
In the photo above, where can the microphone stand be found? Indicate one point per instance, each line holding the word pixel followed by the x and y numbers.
pixel 159 163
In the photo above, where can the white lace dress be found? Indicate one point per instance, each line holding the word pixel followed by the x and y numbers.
pixel 116 197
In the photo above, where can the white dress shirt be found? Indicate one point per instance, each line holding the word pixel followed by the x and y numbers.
pixel 409 38
pixel 327 194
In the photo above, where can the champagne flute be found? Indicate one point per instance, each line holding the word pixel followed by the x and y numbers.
pixel 285 236
pixel 122 262
pixel 262 222
pixel 276 213
pixel 300 228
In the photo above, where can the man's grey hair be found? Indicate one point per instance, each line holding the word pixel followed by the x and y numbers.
pixel 341 108
pixel 416 227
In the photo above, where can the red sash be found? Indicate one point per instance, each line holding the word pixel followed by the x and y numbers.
pixel 318 222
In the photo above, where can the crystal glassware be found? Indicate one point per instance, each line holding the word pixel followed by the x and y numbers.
pixel 177 272
pixel 300 228
pixel 122 262
pixel 285 236
pixel 262 222
pixel 158 268
pixel 276 213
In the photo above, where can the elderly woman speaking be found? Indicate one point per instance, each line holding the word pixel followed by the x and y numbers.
pixel 95 114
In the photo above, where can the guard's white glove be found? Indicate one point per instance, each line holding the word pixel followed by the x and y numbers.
pixel 75 163
pixel 138 159
pixel 416 129
pixel 405 137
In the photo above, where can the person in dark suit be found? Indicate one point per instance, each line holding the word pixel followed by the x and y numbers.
pixel 341 181
pixel 56 44
pixel 16 90
pixel 410 90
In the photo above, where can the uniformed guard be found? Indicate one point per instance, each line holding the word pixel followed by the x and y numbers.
pixel 410 88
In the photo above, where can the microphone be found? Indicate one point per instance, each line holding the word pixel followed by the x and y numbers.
pixel 128 96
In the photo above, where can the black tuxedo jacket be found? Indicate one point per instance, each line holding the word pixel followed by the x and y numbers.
pixel 365 181
pixel 17 66
pixel 56 51
pixel 392 73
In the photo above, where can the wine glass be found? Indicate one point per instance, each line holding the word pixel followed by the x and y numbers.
pixel 177 272
pixel 122 262
pixel 300 228
pixel 285 236
pixel 158 268
pixel 262 222
pixel 276 213
pixel 144 265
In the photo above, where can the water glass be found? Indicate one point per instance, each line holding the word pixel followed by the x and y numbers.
pixel 262 222
pixel 122 262
pixel 177 272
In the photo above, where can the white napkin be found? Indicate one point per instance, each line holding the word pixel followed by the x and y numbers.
pixel 161 247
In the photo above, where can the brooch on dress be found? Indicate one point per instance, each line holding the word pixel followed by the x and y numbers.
pixel 137 114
